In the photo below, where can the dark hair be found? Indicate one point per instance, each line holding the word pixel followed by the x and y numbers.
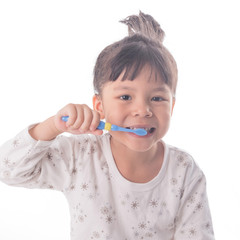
pixel 142 47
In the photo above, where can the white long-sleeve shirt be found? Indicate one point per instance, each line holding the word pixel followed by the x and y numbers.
pixel 102 203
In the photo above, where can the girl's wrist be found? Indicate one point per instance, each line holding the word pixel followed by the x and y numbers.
pixel 45 131
pixel 54 130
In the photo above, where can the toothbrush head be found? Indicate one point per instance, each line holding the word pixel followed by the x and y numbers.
pixel 140 132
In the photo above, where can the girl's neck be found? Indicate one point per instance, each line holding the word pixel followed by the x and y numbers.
pixel 135 166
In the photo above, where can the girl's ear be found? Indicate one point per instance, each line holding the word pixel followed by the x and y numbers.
pixel 173 104
pixel 98 105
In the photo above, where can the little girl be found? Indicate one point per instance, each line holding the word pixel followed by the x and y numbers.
pixel 118 185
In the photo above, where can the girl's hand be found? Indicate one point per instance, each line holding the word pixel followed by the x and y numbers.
pixel 82 119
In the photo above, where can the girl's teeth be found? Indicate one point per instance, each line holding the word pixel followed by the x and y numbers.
pixel 133 128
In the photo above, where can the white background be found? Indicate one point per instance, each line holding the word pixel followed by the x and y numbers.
pixel 47 52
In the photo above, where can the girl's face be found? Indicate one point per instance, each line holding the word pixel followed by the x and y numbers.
pixel 141 103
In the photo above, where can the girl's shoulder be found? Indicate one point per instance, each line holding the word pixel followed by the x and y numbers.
pixel 182 162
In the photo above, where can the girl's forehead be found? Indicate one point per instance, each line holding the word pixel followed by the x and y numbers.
pixel 147 73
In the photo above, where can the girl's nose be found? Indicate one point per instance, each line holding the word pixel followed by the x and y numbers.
pixel 142 110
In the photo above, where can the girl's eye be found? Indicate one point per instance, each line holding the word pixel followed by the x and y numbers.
pixel 125 97
pixel 157 99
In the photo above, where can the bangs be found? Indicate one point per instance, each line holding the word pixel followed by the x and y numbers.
pixel 134 57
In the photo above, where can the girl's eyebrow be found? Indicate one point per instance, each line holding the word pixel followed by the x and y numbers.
pixel 160 89
pixel 123 88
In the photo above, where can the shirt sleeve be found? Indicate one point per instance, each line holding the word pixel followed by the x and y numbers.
pixel 29 163
pixel 194 218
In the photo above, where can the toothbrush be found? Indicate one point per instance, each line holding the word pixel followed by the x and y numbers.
pixel 108 126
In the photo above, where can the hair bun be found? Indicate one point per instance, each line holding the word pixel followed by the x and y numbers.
pixel 146 25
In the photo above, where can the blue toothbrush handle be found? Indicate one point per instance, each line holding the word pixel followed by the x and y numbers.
pixel 65 118
pixel 100 126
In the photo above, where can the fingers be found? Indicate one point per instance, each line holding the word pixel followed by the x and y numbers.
pixel 95 121
pixel 71 111
pixel 82 119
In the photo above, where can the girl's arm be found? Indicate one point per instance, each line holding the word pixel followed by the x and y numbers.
pixel 29 163
pixel 37 158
